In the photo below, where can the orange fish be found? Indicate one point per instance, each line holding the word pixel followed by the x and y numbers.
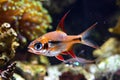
pixel 58 42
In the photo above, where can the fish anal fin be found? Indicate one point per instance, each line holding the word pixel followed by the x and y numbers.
pixel 60 26
pixel 60 57
pixel 72 54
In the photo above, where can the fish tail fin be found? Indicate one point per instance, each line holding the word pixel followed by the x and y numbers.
pixel 85 41
pixel 89 43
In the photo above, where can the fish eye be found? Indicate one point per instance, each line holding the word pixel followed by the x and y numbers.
pixel 38 46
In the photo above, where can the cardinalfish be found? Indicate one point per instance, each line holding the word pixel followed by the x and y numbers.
pixel 78 61
pixel 58 42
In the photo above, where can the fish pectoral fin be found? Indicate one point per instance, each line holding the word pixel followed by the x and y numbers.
pixel 65 53
pixel 59 57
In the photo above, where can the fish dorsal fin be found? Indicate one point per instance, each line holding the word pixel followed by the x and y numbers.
pixel 60 26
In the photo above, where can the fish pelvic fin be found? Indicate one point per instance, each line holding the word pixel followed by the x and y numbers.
pixel 60 26
pixel 85 41
pixel 60 57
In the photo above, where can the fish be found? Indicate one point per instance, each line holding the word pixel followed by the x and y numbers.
pixel 78 61
pixel 56 43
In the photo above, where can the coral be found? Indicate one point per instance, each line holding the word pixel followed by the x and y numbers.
pixel 18 77
pixel 43 60
pixel 53 70
pixel 106 68
pixel 33 70
pixel 27 17
pixel 116 29
pixel 116 75
pixel 8 43
pixel 8 73
pixel 109 48
pixel 69 76
pixel 118 2
pixel 77 73
pixel 108 57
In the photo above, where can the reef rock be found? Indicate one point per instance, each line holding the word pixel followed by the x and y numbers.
pixel 8 43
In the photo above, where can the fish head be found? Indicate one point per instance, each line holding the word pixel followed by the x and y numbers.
pixel 38 46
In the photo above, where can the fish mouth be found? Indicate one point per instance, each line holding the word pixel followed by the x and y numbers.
pixel 31 50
